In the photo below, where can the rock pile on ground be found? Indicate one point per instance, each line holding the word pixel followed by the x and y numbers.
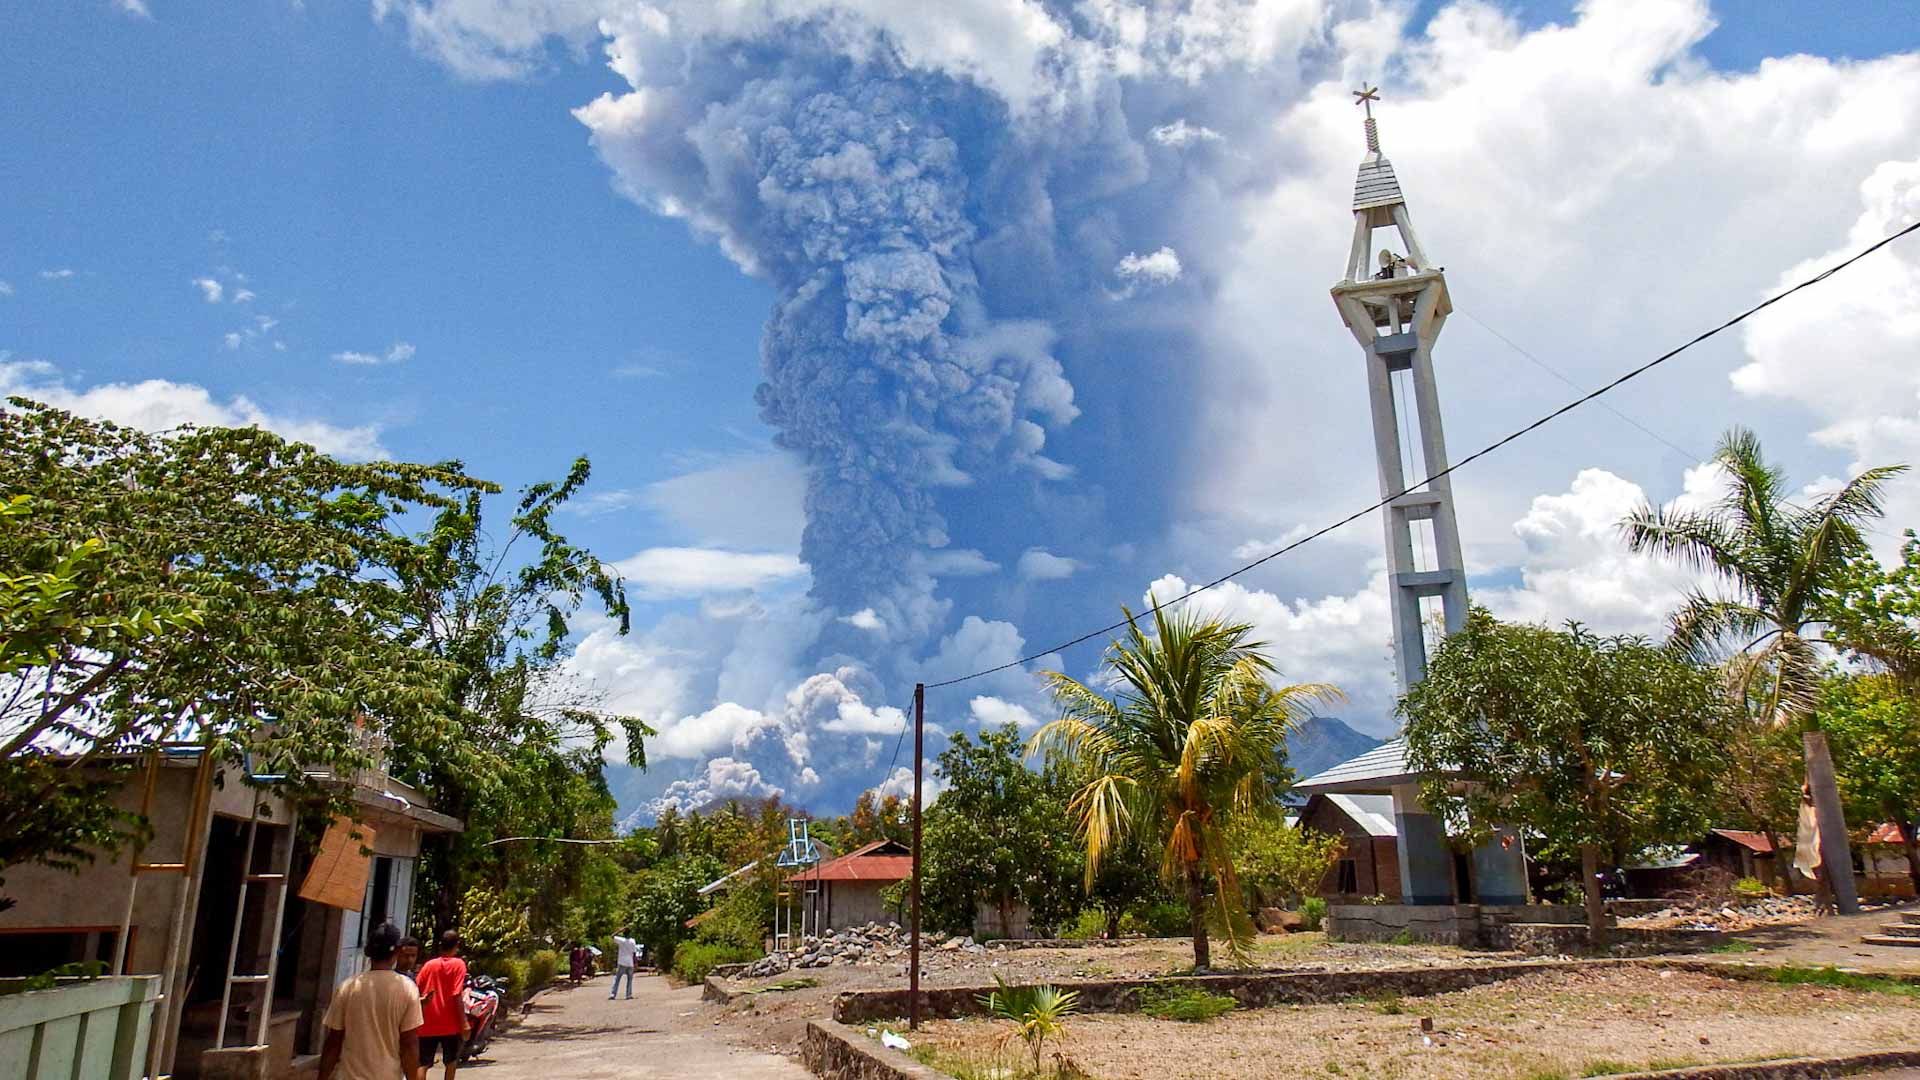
pixel 874 943
pixel 1730 917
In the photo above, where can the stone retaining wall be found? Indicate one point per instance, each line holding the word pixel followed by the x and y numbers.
pixel 1252 991
pixel 1789 1069
pixel 1472 926
pixel 838 1052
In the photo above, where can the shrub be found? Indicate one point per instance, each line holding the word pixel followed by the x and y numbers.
pixel 1314 911
pixel 511 973
pixel 1087 926
pixel 1748 888
pixel 734 922
pixel 542 966
pixel 693 961
pixel 490 926
pixel 1186 1003
pixel 1161 919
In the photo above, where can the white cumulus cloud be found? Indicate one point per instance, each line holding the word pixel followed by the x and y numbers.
pixel 1039 564
pixel 690 571
pixel 1161 267
pixel 162 405
pixel 209 288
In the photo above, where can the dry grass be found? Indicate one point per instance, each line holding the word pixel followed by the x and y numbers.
pixel 1548 1026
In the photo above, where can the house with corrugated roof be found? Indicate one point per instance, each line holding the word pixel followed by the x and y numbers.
pixel 846 891
pixel 1370 864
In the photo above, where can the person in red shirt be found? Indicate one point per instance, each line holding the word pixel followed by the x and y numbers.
pixel 443 1006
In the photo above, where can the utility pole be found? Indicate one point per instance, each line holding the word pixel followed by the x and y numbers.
pixel 913 940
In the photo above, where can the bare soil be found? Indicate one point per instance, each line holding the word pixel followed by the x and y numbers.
pixel 777 1019
pixel 1557 1024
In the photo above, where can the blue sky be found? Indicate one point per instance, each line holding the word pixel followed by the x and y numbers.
pixel 1073 341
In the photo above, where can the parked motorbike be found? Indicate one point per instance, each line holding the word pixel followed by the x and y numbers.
pixel 482 996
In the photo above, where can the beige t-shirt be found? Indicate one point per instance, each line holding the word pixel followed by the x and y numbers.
pixel 373 1008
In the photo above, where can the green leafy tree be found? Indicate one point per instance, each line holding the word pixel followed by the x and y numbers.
pixel 994 837
pixel 666 897
pixel 521 756
pixel 222 585
pixel 1779 567
pixel 1128 881
pixel 1281 861
pixel 1601 745
pixel 1188 739
pixel 1875 727
pixel 1874 613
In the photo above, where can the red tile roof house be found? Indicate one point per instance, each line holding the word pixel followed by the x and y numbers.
pixel 846 891
pixel 1880 859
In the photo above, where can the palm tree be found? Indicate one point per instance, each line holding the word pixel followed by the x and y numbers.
pixel 1779 566
pixel 1190 736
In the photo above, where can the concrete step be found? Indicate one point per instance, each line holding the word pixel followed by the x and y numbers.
pixel 1883 939
pixel 1901 929
pixel 1911 918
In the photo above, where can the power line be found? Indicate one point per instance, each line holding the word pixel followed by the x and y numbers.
pixel 1558 374
pixel 1649 432
pixel 1462 463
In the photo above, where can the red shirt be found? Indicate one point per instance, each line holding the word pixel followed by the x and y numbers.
pixel 443 1000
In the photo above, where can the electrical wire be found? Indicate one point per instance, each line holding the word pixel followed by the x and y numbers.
pixel 1619 381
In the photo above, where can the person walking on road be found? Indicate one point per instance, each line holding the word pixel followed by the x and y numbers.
pixel 373 1022
pixel 443 1001
pixel 628 956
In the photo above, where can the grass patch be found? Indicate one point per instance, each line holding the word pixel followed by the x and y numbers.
pixel 964 1065
pixel 1606 1068
pixel 1404 937
pixel 1734 946
pixel 1189 1004
pixel 784 985
pixel 1840 980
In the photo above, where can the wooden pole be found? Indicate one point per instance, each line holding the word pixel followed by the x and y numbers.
pixel 913 946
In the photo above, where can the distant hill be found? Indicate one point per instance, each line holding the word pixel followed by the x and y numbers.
pixel 1321 742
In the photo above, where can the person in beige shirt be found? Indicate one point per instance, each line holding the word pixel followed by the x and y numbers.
pixel 373 1023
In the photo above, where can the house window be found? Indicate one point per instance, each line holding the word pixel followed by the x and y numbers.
pixel 31 952
pixel 378 902
pixel 1349 877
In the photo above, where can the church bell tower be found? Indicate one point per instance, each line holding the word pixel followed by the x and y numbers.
pixel 1395 304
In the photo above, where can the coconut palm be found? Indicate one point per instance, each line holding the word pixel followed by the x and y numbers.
pixel 1777 566
pixel 1189 738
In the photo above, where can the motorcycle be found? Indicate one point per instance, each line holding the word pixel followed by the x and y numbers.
pixel 482 996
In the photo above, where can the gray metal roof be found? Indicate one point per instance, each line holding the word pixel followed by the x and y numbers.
pixel 1374 772
pixel 1373 813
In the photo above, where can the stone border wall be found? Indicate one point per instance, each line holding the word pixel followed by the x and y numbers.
pixel 1787 1069
pixel 838 1052
pixel 1472 926
pixel 1253 990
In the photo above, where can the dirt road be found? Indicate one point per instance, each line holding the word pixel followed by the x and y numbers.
pixel 578 1034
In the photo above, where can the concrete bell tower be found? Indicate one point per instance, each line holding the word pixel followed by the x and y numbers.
pixel 1396 312
pixel 1396 303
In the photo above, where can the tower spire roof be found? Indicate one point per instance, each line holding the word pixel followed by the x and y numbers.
pixel 1376 185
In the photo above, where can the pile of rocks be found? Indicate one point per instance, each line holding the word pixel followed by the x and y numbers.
pixel 874 943
pixel 1741 915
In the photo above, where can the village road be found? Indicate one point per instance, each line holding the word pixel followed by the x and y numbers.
pixel 577 1034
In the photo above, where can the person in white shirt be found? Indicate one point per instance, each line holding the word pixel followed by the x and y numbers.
pixel 624 962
